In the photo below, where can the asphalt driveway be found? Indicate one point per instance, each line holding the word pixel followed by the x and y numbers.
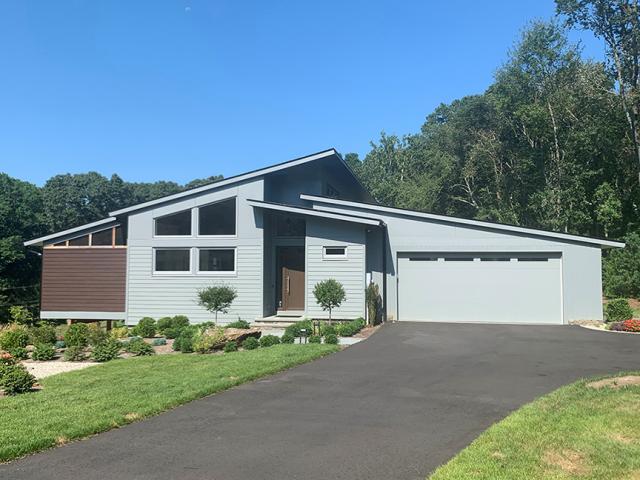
pixel 395 406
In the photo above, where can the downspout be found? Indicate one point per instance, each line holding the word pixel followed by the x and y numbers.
pixel 384 271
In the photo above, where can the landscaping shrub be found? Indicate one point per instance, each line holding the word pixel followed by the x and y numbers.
pixel 631 325
pixel 61 330
pixel 239 324
pixel 206 341
pixel 96 335
pixel 331 339
pixel 139 347
pixel 119 333
pixel 618 310
pixel 43 352
pixel 158 342
pixel 77 335
pixel 217 299
pixel 75 353
pixel 269 340
pixel 171 327
pixel 315 339
pixel 349 329
pixel 346 329
pixel 14 378
pixel 287 338
pixel 13 337
pixel 296 327
pixel 20 315
pixel 164 323
pixel 374 303
pixel 19 353
pixel 43 333
pixel 327 329
pixel 146 327
pixel 107 350
pixel 250 343
pixel 230 347
pixel 329 294
pixel 184 341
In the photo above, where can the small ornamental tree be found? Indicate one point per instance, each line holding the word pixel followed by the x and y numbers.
pixel 329 294
pixel 217 299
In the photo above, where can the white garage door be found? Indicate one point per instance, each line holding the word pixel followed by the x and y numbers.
pixel 480 287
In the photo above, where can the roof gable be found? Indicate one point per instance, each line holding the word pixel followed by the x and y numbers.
pixel 332 152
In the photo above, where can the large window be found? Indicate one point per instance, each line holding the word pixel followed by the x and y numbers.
pixel 174 224
pixel 176 260
pixel 218 218
pixel 79 241
pixel 217 260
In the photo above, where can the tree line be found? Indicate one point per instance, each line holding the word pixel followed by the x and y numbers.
pixel 553 143
pixel 64 201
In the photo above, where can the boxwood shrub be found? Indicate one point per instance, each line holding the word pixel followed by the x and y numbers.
pixel 106 351
pixel 250 343
pixel 269 340
pixel 43 333
pixel 13 337
pixel 331 339
pixel 139 347
pixel 43 352
pixel 77 335
pixel 230 347
pixel 618 310
pixel 146 327
pixel 14 378
pixel 287 338
pixel 243 324
pixel 75 353
pixel 296 327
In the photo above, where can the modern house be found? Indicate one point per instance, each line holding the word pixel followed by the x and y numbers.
pixel 275 232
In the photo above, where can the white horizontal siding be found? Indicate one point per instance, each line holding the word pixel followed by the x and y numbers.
pixel 166 295
pixel 350 272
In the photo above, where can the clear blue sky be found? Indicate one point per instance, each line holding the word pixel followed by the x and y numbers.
pixel 179 89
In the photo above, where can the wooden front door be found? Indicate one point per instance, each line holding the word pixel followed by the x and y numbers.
pixel 291 278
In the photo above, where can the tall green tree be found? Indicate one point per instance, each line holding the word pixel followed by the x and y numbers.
pixel 21 218
pixel 617 22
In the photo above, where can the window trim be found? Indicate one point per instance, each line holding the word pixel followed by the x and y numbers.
pixel 155 223
pixel 172 272
pixel 228 273
pixel 344 256
pixel 196 231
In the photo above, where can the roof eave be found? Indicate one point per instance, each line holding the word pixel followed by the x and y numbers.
pixel 464 221
pixel 228 181
pixel 40 240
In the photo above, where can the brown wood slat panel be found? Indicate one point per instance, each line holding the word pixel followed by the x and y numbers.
pixel 78 280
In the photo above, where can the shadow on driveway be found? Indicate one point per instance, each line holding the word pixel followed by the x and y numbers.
pixel 395 406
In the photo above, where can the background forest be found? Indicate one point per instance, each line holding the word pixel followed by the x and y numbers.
pixel 553 143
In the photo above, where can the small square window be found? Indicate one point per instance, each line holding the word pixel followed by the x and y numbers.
pixel 335 253
pixel 172 260
pixel 174 224
pixel 217 260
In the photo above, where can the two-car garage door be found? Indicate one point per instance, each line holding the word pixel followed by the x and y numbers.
pixel 480 287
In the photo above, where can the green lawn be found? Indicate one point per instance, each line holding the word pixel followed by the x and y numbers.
pixel 80 403
pixel 574 432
